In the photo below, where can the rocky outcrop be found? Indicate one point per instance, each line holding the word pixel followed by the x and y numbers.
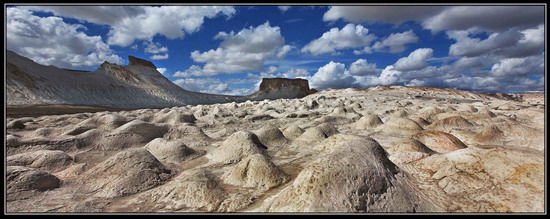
pixel 279 83
pixel 137 61
pixel 277 88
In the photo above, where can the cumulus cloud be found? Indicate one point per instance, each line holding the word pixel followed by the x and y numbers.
pixel 513 43
pixel 531 43
pixel 362 67
pixel 349 37
pixel 205 85
pixel 284 50
pixel 469 62
pixel 248 49
pixel 295 73
pixel 469 47
pixel 490 18
pixel 332 75
pixel 193 70
pixel 130 23
pixel 384 14
pixel 273 72
pixel 388 76
pixel 154 48
pixel 38 38
pixel 395 42
pixel 284 8
pixel 519 66
pixel 162 70
pixel 106 15
pixel 211 85
pixel 159 52
pixel 441 18
pixel 159 57
pixel 415 61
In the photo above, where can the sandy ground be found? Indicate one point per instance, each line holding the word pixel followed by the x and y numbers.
pixel 384 149
pixel 19 111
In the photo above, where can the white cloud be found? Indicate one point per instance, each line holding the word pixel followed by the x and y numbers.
pixel 159 57
pixel 533 36
pixel 384 14
pixel 105 15
pixel 470 47
pixel 181 20
pixel 396 42
pixel 272 72
pixel 51 41
pixel 162 70
pixel 154 48
pixel 248 49
pixel 211 85
pixel 296 73
pixel 469 62
pixel 531 43
pixel 284 50
pixel 332 75
pixel 159 52
pixel 512 43
pixel 349 37
pixel 194 70
pixel 129 23
pixel 415 61
pixel 284 8
pixel 388 76
pixel 519 66
pixel 204 85
pixel 440 18
pixel 416 82
pixel 362 67
pixel 490 18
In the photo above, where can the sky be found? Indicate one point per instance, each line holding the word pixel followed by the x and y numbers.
pixel 229 49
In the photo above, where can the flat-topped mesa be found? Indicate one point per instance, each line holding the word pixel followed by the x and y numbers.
pixel 274 84
pixel 137 61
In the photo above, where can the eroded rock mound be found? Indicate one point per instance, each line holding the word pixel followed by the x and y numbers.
pixel 439 142
pixel 192 135
pixel 400 126
pixel 196 190
pixel 450 123
pixel 174 151
pixel 127 172
pixel 489 134
pixel 270 136
pixel 368 122
pixel 20 178
pixel 236 147
pixel 132 134
pixel 174 118
pixel 41 159
pixel 357 176
pixel 256 171
pixel 409 150
pixel 293 131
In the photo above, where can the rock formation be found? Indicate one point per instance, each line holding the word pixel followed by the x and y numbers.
pixel 276 88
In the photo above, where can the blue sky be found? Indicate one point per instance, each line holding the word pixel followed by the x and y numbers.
pixel 228 49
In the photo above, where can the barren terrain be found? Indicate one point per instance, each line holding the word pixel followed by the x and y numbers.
pixel 383 149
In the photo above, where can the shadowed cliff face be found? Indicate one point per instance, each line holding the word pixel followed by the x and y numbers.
pixel 137 61
pixel 276 88
pixel 280 83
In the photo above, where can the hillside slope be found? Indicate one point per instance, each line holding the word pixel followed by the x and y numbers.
pixel 137 85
